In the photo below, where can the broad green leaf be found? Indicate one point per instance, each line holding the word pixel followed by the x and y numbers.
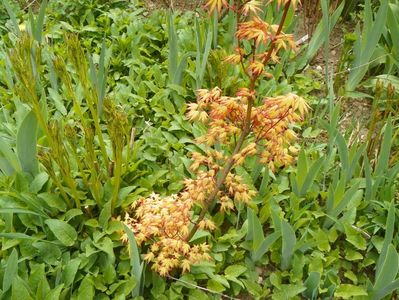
pixel 235 270
pixel 50 253
pixel 38 282
pixel 215 286
pixel 38 182
pixel 64 232
pixel 288 291
pixel 312 284
pixel 20 289
pixel 221 279
pixel 348 291
pixel 86 289
pixel 70 270
pixel 199 235
pixel 54 294
pixel 350 195
pixel 105 215
pixel 355 238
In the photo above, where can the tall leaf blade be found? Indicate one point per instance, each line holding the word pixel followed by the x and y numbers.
pixel 389 231
pixel 265 245
pixel 101 78
pixel 389 269
pixel 370 38
pixel 11 270
pixel 343 151
pixel 205 55
pixel 137 267
pixel 38 31
pixel 288 244
pixel 384 155
pixel 173 48
pixel 26 144
pixel 255 231
pixel 311 175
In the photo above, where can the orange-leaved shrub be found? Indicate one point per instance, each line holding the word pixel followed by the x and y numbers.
pixel 237 129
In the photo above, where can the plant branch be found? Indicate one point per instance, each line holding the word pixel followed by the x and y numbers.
pixel 280 28
pixel 229 165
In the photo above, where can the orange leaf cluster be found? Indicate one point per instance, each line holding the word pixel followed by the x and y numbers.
pixel 270 125
pixel 237 129
pixel 165 221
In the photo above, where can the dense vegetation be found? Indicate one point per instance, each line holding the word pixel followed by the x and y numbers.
pixel 104 108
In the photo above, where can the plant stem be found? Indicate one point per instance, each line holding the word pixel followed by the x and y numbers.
pixel 228 166
pixel 245 131
pixel 280 28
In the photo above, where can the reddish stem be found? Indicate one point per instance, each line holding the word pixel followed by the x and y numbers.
pixel 244 133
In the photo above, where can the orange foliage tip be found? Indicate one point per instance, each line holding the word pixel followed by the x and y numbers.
pixel 254 29
pixel 216 4
pixel 164 222
pixel 251 7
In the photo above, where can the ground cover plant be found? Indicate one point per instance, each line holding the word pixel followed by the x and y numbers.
pixel 197 154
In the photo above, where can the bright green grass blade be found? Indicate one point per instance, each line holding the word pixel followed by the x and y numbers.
pixel 26 144
pixel 343 151
pixel 39 24
pixel 11 270
pixel 137 267
pixel 389 231
pixel 173 47
pixel 384 155
pixel 311 175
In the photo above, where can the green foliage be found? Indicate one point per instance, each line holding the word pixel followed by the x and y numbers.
pixel 324 228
